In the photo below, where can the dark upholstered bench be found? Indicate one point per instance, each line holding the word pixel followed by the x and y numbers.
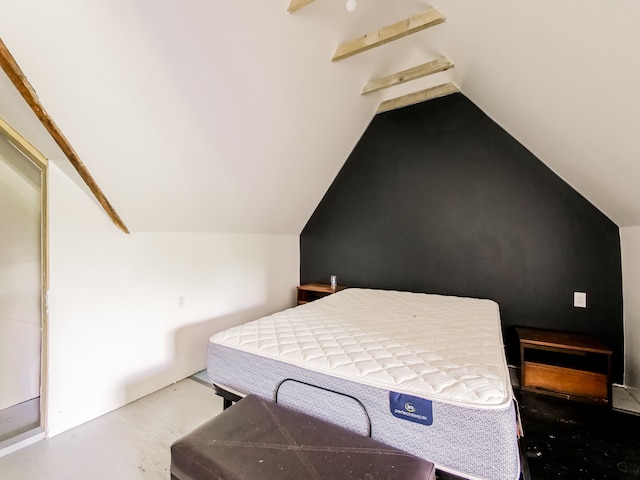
pixel 260 440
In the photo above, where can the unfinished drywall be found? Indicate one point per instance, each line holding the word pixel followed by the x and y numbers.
pixel 131 314
pixel 438 198
pixel 630 240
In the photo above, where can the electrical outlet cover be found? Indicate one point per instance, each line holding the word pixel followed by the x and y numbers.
pixel 580 299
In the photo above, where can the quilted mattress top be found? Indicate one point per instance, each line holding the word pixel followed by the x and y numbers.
pixel 442 348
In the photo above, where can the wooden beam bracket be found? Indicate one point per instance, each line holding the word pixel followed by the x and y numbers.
pixel 440 64
pixel 413 24
pixel 295 5
pixel 418 97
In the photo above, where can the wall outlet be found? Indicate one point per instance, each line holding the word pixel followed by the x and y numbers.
pixel 182 302
pixel 580 299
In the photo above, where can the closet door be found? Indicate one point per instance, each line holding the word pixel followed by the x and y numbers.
pixel 20 277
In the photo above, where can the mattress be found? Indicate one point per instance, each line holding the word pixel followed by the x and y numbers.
pixel 424 373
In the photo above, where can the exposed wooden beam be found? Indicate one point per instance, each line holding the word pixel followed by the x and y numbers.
pixel 440 64
pixel 417 97
pixel 20 81
pixel 295 5
pixel 413 24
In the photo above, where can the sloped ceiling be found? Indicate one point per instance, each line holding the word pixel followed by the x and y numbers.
pixel 203 115
pixel 562 78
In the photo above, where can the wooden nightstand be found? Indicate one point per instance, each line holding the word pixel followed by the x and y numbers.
pixel 568 365
pixel 313 291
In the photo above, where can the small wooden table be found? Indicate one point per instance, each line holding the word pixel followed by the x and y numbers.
pixel 569 365
pixel 313 291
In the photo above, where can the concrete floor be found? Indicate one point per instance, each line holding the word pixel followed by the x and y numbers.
pixel 128 444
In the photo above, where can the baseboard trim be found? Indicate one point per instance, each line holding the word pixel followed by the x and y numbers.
pixel 25 439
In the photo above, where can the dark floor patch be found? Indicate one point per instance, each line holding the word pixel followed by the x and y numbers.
pixel 570 440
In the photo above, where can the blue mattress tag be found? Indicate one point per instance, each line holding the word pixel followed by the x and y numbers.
pixel 414 409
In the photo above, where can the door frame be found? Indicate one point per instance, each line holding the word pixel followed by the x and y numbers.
pixel 41 162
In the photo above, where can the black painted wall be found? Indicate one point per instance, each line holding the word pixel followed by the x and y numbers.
pixel 438 198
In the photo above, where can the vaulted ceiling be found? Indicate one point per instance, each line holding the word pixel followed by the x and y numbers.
pixel 203 115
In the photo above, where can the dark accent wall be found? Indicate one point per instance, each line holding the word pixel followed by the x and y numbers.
pixel 438 198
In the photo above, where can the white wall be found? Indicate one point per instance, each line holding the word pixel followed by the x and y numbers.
pixel 115 330
pixel 630 240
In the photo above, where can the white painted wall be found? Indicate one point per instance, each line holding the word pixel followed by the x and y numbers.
pixel 630 240
pixel 116 332
pixel 20 274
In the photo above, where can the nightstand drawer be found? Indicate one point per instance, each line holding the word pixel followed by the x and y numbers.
pixel 564 380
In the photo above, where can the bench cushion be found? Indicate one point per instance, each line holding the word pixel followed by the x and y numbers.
pixel 256 439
